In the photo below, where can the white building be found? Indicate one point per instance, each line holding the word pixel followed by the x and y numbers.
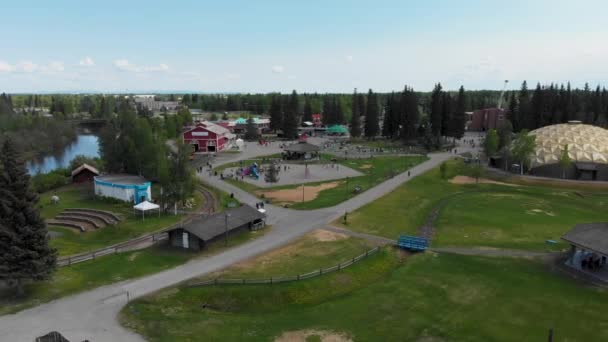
pixel 126 188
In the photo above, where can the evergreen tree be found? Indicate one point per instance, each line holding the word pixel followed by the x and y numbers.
pixel 536 116
pixel 290 124
pixel 410 114
pixel 513 112
pixel 446 114
pixel 371 119
pixel 271 175
pixel 436 109
pixel 276 113
pixel 307 109
pixel 525 118
pixel 458 120
pixel 355 123
pixel 25 253
pixel 329 117
pixel 338 112
pixel 390 111
pixel 251 131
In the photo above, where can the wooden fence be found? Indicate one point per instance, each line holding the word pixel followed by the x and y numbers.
pixel 125 246
pixel 284 279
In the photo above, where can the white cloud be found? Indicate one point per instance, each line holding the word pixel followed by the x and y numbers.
pixel 278 69
pixel 26 66
pixel 55 67
pixel 125 65
pixel 349 59
pixel 87 61
pixel 5 67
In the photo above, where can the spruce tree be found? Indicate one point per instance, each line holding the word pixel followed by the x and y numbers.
pixel 525 119
pixel 458 120
pixel 409 114
pixel 276 115
pixel 251 131
pixel 446 114
pixel 25 253
pixel 290 123
pixel 271 175
pixel 355 123
pixel 339 114
pixel 371 119
pixel 436 109
pixel 307 115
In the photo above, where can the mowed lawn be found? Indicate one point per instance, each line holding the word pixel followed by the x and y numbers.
pixel 375 171
pixel 517 217
pixel 110 269
pixel 492 215
pixel 81 196
pixel 429 297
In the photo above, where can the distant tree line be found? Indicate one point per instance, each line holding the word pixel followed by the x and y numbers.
pixel 33 135
pixel 552 104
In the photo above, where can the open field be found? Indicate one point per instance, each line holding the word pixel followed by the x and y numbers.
pixel 429 297
pixel 110 269
pixel 79 196
pixel 375 170
pixel 492 215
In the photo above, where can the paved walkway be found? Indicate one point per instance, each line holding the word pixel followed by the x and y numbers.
pixel 492 252
pixel 92 315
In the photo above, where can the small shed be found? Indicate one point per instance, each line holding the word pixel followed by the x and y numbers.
pixel 128 188
pixel 301 151
pixel 85 173
pixel 198 233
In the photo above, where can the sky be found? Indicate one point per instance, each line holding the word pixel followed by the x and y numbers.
pixel 310 46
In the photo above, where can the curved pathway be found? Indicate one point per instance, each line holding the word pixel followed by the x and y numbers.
pixel 92 315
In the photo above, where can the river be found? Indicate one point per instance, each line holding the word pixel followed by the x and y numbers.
pixel 85 144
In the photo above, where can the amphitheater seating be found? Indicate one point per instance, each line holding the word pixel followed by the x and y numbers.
pixel 84 219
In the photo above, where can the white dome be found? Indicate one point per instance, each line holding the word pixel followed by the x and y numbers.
pixel 586 143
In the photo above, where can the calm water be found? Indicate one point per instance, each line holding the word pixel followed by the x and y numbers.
pixel 85 144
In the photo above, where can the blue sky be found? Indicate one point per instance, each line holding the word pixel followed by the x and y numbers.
pixel 323 46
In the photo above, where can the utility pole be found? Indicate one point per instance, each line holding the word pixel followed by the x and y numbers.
pixel 302 192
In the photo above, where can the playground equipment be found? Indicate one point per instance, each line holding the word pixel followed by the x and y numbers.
pixel 252 171
pixel 413 243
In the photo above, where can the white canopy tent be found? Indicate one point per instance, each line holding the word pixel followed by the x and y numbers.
pixel 146 206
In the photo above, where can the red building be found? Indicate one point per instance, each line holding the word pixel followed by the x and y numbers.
pixel 317 120
pixel 208 137
pixel 486 119
pixel 84 174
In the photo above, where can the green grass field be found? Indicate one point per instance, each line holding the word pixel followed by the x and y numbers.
pixel 520 217
pixel 375 170
pixel 429 297
pixel 81 196
pixel 110 269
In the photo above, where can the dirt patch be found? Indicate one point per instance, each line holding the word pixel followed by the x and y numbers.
pixel 366 166
pixel 322 335
pixel 326 235
pixel 471 180
pixel 295 195
pixel 540 211
pixel 133 256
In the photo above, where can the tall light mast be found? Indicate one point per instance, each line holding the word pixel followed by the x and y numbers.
pixel 502 93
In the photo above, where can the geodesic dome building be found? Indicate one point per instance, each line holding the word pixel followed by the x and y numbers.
pixel 587 149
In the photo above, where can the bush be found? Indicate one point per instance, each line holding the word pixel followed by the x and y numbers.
pixel 49 181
